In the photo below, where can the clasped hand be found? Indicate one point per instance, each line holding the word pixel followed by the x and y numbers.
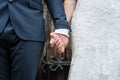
pixel 60 41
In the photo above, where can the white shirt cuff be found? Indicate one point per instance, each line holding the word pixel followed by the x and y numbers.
pixel 62 31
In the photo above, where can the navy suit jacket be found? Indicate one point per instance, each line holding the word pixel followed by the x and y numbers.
pixel 27 17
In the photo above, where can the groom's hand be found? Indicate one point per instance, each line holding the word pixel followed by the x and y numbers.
pixel 59 40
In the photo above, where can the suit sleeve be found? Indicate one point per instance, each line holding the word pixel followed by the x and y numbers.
pixel 58 14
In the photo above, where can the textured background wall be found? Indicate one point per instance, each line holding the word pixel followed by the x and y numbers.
pixel 51 54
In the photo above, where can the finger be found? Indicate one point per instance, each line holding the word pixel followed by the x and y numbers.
pixel 61 50
pixel 61 44
pixel 58 42
pixel 65 40
pixel 52 42
pixel 61 47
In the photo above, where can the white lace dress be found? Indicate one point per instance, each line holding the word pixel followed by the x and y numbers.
pixel 96 40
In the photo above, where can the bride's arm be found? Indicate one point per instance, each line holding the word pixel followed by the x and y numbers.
pixel 69 6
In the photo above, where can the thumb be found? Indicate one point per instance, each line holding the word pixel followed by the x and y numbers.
pixel 53 35
pixel 52 40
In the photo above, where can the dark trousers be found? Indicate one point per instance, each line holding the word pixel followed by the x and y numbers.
pixel 19 59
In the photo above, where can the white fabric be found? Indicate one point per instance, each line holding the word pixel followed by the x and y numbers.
pixel 96 40
pixel 63 31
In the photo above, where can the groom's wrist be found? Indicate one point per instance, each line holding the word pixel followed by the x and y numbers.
pixel 63 31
